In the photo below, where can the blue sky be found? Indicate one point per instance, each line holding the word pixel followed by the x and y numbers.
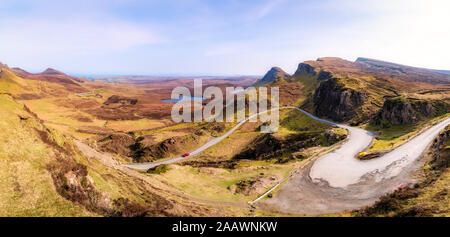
pixel 218 37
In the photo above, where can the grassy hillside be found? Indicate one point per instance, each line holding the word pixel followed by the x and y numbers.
pixel 10 83
pixel 27 186
pixel 44 174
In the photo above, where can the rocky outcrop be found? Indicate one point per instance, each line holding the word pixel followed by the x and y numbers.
pixel 396 112
pixel 331 136
pixel 335 101
pixel 272 75
pixel 255 185
pixel 305 68
pixel 440 151
pixel 262 148
pixel 407 73
pixel 399 111
pixel 116 144
pixel 142 151
pixel 268 146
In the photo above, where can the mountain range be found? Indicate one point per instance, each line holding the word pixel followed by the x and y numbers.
pixel 355 91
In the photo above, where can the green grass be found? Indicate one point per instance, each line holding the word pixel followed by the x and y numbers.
pixel 10 83
pixel 160 169
pixel 26 184
pixel 27 187
pixel 392 136
pixel 295 121
pixel 396 135
pixel 135 125
pixel 213 183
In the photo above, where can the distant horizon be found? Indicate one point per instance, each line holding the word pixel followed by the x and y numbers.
pixel 159 75
pixel 187 75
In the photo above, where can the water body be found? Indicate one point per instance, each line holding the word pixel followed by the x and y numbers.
pixel 184 98
pixel 240 90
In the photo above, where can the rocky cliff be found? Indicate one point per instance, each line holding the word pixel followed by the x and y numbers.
pixel 354 92
pixel 398 111
pixel 335 101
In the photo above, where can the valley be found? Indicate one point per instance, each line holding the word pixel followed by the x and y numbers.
pixel 107 146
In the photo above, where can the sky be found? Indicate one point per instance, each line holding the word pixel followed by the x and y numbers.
pixel 218 37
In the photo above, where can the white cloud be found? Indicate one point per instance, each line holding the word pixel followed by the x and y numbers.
pixel 408 32
pixel 74 36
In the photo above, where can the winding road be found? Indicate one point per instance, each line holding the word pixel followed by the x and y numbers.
pixel 338 182
pixel 212 142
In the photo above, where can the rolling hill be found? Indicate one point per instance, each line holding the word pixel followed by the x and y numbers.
pixel 272 75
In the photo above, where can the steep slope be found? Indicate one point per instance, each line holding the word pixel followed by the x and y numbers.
pixel 354 91
pixel 27 186
pixel 10 83
pixel 273 74
pixel 398 111
pixel 44 173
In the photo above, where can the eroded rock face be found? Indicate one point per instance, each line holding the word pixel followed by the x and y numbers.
pixel 142 152
pixel 268 146
pixel 73 183
pixel 305 68
pixel 440 152
pixel 261 147
pixel 116 144
pixel 335 101
pixel 399 111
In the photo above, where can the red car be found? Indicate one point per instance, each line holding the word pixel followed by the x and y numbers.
pixel 186 155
